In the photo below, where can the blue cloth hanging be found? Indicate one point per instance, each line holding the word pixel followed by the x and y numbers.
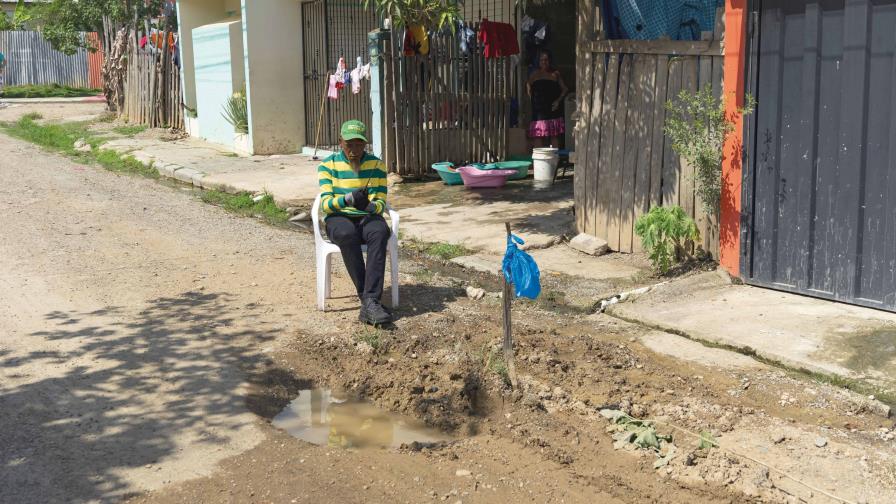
pixel 656 19
pixel 520 270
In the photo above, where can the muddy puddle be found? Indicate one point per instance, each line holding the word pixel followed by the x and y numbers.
pixel 328 418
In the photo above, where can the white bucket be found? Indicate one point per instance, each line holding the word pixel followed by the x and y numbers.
pixel 544 161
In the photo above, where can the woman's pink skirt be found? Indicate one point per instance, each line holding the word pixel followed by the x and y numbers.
pixel 547 128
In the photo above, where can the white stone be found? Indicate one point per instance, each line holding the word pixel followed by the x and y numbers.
pixel 590 245
pixel 81 145
pixel 475 293
pixel 462 473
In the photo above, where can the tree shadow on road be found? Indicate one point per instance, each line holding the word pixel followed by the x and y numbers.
pixel 124 390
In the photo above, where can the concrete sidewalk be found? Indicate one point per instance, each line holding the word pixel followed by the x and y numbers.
pixel 290 179
pixel 798 331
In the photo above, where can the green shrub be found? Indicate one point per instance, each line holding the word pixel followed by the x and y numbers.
pixel 667 234
pixel 236 112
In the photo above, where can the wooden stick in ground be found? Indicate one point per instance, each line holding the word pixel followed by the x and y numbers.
pixel 508 333
pixel 320 117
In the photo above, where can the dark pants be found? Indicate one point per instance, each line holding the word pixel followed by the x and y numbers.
pixel 349 233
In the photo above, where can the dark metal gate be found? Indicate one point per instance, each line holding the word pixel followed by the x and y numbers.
pixel 334 29
pixel 820 188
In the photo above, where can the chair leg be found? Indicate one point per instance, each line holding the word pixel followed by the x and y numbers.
pixel 393 267
pixel 328 283
pixel 322 275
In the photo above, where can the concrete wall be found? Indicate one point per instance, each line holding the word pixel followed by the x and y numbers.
pixel 271 38
pixel 192 14
pixel 218 56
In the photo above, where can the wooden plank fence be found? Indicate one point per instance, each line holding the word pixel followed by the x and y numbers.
pixel 447 105
pixel 625 165
pixel 31 59
pixel 152 87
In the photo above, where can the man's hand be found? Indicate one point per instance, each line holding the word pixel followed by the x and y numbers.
pixel 358 199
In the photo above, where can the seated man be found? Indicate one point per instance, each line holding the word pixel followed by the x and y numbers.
pixel 353 197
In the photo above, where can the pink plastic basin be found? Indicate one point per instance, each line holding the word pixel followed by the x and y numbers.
pixel 474 177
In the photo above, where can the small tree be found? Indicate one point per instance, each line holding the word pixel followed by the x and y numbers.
pixel 20 17
pixel 62 21
pixel 698 126
pixel 431 14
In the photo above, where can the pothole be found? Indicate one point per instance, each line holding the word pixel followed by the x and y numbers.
pixel 324 417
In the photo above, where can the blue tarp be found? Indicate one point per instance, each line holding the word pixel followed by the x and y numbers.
pixel 656 19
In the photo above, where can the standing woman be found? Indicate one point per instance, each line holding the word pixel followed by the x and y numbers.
pixel 547 90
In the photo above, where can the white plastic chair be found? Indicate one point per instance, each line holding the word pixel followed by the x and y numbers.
pixel 324 249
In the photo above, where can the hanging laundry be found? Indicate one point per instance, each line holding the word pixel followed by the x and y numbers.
pixel 339 74
pixel 650 20
pixel 698 16
pixel 365 72
pixel 526 24
pixel 332 88
pixel 467 37
pixel 416 41
pixel 499 39
pixel 356 80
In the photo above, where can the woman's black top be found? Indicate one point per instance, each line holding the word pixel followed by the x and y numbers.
pixel 544 93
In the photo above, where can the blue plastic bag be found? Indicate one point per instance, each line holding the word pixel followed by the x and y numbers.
pixel 520 269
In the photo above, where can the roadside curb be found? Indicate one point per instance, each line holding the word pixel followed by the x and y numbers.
pixel 181 173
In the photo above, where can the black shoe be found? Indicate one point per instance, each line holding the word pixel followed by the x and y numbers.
pixel 373 313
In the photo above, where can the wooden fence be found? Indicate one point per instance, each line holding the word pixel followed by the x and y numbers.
pixel 624 162
pixel 31 59
pixel 446 105
pixel 152 87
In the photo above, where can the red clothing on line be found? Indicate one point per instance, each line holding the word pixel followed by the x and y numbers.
pixel 499 39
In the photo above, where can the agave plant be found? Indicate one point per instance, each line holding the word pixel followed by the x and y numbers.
pixel 236 112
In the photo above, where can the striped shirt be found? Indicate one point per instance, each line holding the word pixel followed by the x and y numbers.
pixel 337 178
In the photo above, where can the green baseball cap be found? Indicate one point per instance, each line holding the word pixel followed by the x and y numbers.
pixel 353 130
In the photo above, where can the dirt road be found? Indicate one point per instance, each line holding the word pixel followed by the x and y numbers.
pixel 147 339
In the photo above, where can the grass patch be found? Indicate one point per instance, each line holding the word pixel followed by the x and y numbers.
pixel 372 337
pixel 130 130
pixel 424 276
pixel 56 137
pixel 118 163
pixel 48 91
pixel 244 204
pixel 494 362
pixel 33 116
pixel 61 138
pixel 439 250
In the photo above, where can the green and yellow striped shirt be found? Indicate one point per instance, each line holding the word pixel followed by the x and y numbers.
pixel 337 178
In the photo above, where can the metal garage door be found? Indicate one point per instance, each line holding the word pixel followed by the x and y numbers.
pixel 820 185
pixel 334 29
